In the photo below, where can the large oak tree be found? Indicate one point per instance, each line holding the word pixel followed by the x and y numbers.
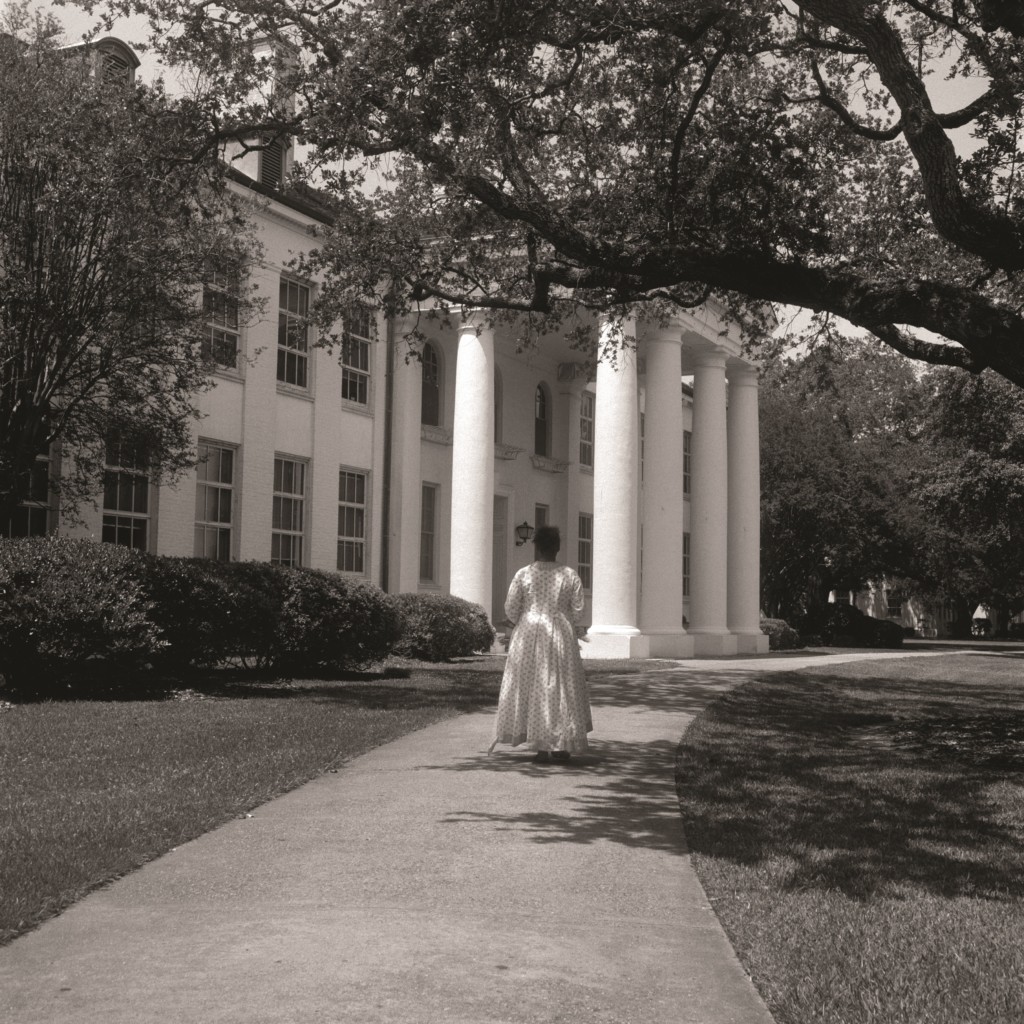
pixel 544 155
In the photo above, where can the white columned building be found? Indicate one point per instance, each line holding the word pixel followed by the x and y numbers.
pixel 744 533
pixel 709 508
pixel 472 480
pixel 614 632
pixel 661 598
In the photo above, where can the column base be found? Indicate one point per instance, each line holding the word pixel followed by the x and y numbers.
pixel 676 644
pixel 751 643
pixel 714 645
pixel 616 645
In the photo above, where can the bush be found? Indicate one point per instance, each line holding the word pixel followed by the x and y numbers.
pixel 66 603
pixel 331 622
pixel 781 635
pixel 437 627
pixel 1015 630
pixel 209 612
pixel 190 607
pixel 886 633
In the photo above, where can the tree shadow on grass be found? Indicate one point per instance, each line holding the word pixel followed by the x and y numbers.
pixel 862 786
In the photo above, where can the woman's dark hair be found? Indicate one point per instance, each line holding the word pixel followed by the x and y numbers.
pixel 547 541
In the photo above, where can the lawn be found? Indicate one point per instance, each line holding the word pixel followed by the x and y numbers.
pixel 860 833
pixel 94 788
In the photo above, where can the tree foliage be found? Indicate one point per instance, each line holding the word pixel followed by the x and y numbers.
pixel 112 210
pixel 970 494
pixel 839 446
pixel 871 472
pixel 542 156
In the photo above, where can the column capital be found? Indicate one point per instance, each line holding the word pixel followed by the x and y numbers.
pixel 709 358
pixel 661 333
pixel 742 374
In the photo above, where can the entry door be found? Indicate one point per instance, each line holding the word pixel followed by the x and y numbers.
pixel 499 559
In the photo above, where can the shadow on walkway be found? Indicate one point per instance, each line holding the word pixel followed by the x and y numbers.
pixel 618 792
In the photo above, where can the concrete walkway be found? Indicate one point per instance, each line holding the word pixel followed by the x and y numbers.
pixel 424 882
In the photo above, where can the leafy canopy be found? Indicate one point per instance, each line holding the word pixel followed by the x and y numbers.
pixel 551 154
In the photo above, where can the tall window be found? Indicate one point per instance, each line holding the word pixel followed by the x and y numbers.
pixel 351 521
pixel 686 565
pixel 220 310
pixel 587 429
pixel 687 444
pixel 125 496
pixel 894 604
pixel 540 516
pixel 293 334
pixel 31 518
pixel 585 550
pixel 355 355
pixel 287 524
pixel 215 481
pixel 430 411
pixel 428 534
pixel 542 420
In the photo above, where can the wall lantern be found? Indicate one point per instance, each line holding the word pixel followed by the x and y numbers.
pixel 524 531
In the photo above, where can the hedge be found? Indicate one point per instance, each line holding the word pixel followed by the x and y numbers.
pixel 438 627
pixel 65 603
pixel 69 608
pixel 331 622
pixel 843 625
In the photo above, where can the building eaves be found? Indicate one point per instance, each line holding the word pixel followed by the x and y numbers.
pixel 299 197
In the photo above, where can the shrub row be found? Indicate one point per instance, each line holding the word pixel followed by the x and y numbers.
pixel 843 625
pixel 67 604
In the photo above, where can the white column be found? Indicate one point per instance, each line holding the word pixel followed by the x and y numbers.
pixel 709 544
pixel 614 633
pixel 661 596
pixel 406 481
pixel 472 519
pixel 744 615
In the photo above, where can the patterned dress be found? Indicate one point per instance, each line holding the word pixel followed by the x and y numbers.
pixel 544 699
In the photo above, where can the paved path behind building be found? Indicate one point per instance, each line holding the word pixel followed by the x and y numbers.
pixel 423 883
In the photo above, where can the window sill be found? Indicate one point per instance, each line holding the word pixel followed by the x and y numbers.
pixel 548 465
pixel 292 391
pixel 359 408
pixel 228 373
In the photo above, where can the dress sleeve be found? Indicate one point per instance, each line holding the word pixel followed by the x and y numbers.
pixel 576 596
pixel 514 601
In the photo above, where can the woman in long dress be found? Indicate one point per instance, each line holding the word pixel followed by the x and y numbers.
pixel 544 699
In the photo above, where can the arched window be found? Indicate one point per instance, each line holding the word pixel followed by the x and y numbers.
pixel 542 421
pixel 430 412
pixel 497 406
